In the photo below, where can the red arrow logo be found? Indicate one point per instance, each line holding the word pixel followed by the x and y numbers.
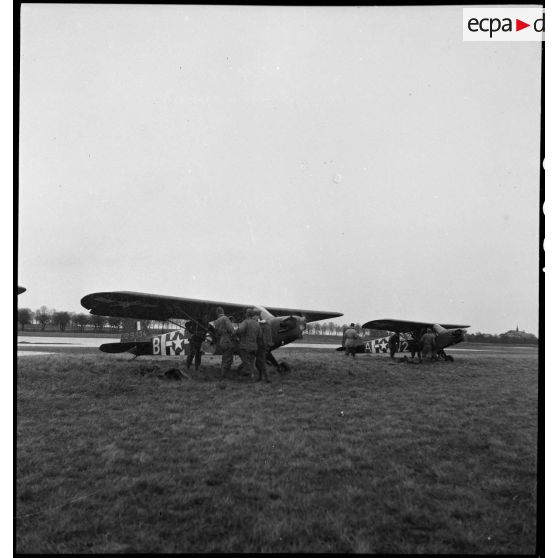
pixel 519 25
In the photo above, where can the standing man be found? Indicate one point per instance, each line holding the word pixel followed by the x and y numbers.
pixel 197 330
pixel 427 345
pixel 265 341
pixel 350 340
pixel 225 340
pixel 248 332
pixel 393 343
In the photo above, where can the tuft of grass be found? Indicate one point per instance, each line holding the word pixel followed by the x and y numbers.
pixel 368 456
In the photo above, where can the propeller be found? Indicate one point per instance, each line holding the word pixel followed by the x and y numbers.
pixel 294 323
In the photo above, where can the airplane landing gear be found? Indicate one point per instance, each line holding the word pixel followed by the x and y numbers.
pixel 446 357
pixel 281 367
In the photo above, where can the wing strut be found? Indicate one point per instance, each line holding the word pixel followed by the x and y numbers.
pixel 185 315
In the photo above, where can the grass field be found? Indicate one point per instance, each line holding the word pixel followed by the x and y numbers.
pixel 367 456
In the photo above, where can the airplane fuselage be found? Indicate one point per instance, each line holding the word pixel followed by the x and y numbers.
pixel 444 338
pixel 284 330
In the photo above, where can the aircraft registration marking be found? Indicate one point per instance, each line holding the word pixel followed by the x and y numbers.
pixel 169 344
pixel 381 345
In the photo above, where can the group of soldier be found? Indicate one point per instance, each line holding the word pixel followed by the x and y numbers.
pixel 251 340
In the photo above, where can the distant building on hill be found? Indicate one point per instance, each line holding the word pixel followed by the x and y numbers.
pixel 515 334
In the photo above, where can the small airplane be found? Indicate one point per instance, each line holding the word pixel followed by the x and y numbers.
pixel 287 324
pixel 409 336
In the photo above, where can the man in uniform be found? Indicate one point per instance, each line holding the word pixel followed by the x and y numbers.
pixel 225 340
pixel 427 345
pixel 393 343
pixel 197 330
pixel 248 332
pixel 350 340
pixel 264 343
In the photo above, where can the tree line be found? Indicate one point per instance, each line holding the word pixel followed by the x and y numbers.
pixel 63 321
pixel 71 321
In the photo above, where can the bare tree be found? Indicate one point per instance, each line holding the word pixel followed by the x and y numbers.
pixel 43 317
pixel 81 320
pixel 98 322
pixel 114 322
pixel 24 317
pixel 61 319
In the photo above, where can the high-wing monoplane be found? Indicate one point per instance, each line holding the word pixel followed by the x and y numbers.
pixel 409 336
pixel 287 324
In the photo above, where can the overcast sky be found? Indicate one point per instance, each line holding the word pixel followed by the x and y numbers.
pixel 359 160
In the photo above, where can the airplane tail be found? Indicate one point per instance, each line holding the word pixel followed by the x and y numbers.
pixel 135 330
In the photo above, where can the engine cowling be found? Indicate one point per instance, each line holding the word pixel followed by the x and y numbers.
pixel 446 337
pixel 443 336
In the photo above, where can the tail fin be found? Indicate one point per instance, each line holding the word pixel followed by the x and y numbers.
pixel 135 330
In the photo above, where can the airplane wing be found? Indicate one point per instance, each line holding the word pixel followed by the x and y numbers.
pixel 20 290
pixel 405 325
pixel 143 306
pixel 310 315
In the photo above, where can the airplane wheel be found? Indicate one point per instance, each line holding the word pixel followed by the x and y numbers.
pixel 283 368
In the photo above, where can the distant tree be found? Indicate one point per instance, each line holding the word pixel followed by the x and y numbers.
pixel 81 320
pixel 358 329
pixel 61 319
pixel 24 317
pixel 43 317
pixel 98 322
pixel 331 328
pixel 338 329
pixel 114 323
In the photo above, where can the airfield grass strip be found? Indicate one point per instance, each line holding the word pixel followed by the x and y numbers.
pixel 336 456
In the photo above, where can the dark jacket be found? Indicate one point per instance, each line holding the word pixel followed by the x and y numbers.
pixel 248 332
pixel 350 337
pixel 428 341
pixel 394 340
pixel 225 332
pixel 266 340
pixel 196 331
